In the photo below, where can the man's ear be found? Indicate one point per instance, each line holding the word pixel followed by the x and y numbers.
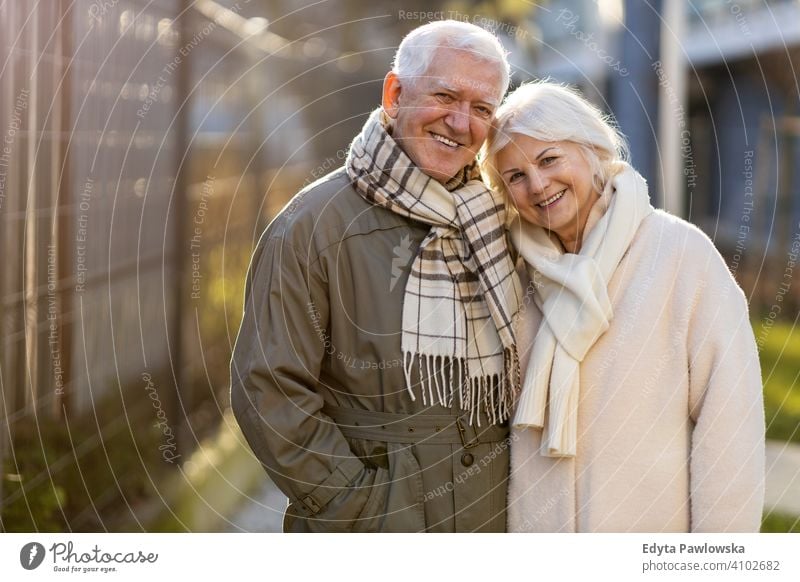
pixel 391 94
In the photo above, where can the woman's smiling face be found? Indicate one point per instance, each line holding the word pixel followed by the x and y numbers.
pixel 550 183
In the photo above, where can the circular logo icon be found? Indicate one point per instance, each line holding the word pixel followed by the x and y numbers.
pixel 31 555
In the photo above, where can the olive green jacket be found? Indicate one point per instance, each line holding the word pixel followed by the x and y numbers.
pixel 321 328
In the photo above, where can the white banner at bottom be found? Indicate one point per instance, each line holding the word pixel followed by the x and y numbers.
pixel 333 557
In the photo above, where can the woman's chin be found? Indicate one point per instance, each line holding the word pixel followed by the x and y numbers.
pixel 534 218
pixel 543 221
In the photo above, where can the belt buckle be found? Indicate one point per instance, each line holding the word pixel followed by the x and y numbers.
pixel 462 433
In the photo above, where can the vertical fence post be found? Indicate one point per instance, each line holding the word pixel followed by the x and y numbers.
pixel 182 395
pixel 63 200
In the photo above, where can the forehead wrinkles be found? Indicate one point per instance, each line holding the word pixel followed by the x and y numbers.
pixel 477 79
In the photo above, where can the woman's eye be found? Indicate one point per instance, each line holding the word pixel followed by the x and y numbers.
pixel 548 160
pixel 515 177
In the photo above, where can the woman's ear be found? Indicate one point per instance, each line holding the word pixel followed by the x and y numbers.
pixel 391 94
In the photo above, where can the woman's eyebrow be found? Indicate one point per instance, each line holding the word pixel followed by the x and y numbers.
pixel 541 153
pixel 544 151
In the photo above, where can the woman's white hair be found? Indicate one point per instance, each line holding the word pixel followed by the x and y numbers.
pixel 417 49
pixel 550 112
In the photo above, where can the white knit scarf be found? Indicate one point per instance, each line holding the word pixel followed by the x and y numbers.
pixel 462 293
pixel 572 294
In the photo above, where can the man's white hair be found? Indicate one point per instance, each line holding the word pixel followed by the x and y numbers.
pixel 418 48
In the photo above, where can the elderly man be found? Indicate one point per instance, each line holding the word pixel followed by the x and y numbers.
pixel 375 368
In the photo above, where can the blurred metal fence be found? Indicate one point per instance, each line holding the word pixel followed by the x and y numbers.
pixel 129 165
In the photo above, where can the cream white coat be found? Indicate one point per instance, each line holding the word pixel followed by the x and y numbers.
pixel 670 419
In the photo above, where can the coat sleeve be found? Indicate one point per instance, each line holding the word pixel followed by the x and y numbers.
pixel 274 372
pixel 726 406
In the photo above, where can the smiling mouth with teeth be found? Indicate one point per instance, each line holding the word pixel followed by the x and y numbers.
pixel 445 141
pixel 552 199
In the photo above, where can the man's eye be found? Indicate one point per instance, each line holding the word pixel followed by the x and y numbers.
pixel 483 111
pixel 444 97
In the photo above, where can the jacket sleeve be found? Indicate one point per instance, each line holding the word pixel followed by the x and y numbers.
pixel 274 372
pixel 726 406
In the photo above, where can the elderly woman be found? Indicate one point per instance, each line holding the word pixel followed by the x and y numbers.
pixel 641 406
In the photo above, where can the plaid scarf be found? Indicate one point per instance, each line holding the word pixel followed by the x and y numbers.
pixel 462 292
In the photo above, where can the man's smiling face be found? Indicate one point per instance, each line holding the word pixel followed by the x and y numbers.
pixel 442 118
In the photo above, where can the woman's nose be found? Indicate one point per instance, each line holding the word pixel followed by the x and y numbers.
pixel 538 181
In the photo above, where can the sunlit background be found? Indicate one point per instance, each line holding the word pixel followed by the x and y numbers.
pixel 144 145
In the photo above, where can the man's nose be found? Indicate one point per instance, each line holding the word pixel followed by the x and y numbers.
pixel 458 118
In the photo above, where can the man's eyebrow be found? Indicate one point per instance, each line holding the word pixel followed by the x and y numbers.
pixel 440 84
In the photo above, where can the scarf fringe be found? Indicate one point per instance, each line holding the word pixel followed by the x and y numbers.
pixel 494 394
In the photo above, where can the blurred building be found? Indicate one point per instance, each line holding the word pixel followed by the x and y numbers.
pixel 707 93
pixel 131 182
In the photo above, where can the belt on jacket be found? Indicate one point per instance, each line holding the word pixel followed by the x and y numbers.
pixel 395 428
pixel 415 428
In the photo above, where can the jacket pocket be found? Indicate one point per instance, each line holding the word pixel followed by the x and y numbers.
pixel 396 498
pixel 339 514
